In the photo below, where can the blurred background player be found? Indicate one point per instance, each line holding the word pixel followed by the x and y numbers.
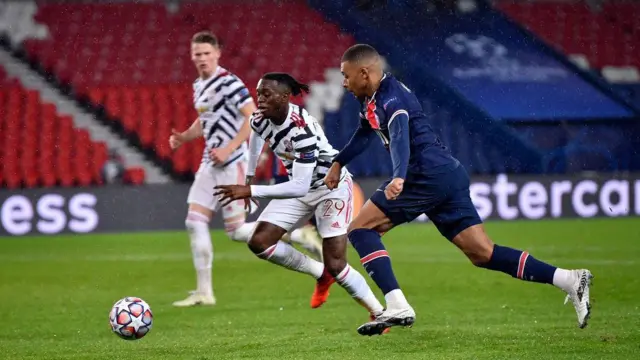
pixel 299 141
pixel 224 107
pixel 426 179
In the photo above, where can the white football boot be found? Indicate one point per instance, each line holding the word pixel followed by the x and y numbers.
pixel 312 242
pixel 196 298
pixel 388 318
pixel 579 295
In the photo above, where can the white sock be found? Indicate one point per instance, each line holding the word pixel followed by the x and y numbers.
pixel 395 299
pixel 285 255
pixel 202 250
pixel 563 279
pixel 242 232
pixel 352 281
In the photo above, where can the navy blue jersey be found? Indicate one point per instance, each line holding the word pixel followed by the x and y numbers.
pixel 394 99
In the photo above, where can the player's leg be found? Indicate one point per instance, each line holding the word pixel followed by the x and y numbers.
pixel 365 236
pixel 201 210
pixel 305 236
pixel 234 214
pixel 458 220
pixel 333 212
pixel 276 219
pixel 335 261
pixel 482 252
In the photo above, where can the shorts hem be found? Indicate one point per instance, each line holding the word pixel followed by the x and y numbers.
pixel 394 220
pixel 463 226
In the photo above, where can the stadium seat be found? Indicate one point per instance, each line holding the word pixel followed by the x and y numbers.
pixel 606 37
pixel 39 148
pixel 147 88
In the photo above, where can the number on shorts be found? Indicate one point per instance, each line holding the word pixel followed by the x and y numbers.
pixel 330 204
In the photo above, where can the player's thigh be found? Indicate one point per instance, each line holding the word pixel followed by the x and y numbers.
pixel 200 198
pixel 371 217
pixel 454 216
pixel 285 213
pixel 265 236
pixel 381 214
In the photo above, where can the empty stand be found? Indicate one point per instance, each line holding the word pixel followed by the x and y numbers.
pixel 606 37
pixel 41 148
pixel 135 58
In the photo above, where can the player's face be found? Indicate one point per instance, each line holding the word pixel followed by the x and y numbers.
pixel 271 100
pixel 205 57
pixel 356 78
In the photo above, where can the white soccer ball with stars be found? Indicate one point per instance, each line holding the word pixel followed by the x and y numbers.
pixel 131 318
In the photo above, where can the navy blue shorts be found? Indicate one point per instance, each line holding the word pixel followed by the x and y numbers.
pixel 443 197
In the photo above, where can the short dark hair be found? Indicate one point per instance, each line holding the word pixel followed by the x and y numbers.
pixel 289 81
pixel 205 37
pixel 359 52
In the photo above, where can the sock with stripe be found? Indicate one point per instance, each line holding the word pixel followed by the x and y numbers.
pixel 287 256
pixel 521 265
pixel 375 259
pixel 355 284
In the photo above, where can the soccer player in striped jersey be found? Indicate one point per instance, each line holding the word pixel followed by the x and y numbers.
pixel 307 235
pixel 299 141
pixel 224 107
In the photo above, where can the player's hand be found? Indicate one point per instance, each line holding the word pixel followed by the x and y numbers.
pixel 247 202
pixel 220 155
pixel 230 193
pixel 394 188
pixel 176 139
pixel 333 176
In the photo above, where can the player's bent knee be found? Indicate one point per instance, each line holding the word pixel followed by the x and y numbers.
pixel 475 244
pixel 195 220
pixel 335 267
pixel 257 244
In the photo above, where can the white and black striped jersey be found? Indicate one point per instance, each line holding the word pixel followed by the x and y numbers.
pixel 218 101
pixel 299 138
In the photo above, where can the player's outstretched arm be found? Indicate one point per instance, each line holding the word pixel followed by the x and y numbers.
pixel 298 186
pixel 193 132
pixel 356 145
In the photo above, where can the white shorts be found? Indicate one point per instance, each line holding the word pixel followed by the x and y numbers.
pixel 333 210
pixel 208 177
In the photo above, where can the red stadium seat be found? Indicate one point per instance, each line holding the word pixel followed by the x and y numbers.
pixel 39 147
pixel 148 87
pixel 608 37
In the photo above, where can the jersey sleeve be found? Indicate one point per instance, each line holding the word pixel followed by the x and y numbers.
pixel 399 142
pixel 393 108
pixel 305 147
pixel 237 93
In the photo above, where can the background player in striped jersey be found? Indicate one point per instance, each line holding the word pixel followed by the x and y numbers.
pixel 300 143
pixel 224 107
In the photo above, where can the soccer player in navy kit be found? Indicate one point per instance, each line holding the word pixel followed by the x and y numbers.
pixel 427 179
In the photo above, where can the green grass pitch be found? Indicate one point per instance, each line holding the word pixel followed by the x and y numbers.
pixel 56 293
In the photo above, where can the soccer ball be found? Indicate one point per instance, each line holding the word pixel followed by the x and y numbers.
pixel 131 318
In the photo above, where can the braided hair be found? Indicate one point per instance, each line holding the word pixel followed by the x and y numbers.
pixel 296 87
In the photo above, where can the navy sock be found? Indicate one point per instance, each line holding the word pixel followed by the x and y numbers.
pixel 520 264
pixel 374 258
